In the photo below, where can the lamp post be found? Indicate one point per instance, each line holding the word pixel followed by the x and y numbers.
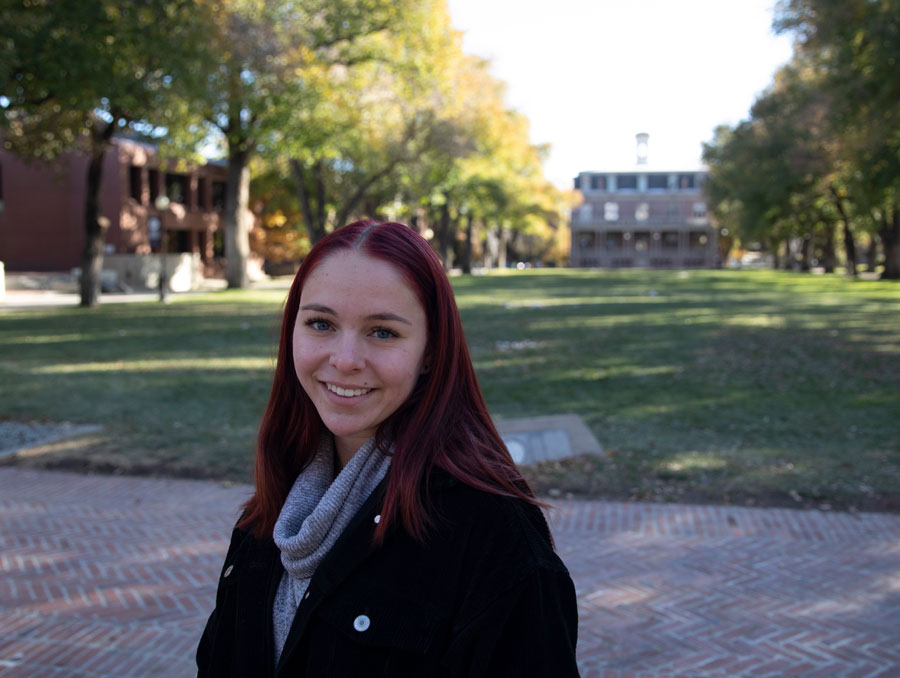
pixel 162 204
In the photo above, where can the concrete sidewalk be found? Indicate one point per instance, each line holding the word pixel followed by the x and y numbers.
pixel 39 291
pixel 115 576
pixel 24 300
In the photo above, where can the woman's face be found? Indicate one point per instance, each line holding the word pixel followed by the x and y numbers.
pixel 359 344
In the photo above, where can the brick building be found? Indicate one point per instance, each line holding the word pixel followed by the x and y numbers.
pixel 642 217
pixel 42 209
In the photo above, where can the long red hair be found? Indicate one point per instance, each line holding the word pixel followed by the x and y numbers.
pixel 443 424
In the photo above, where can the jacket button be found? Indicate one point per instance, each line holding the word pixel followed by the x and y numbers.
pixel 227 571
pixel 361 623
pixel 378 519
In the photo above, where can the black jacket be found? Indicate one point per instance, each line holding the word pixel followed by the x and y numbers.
pixel 484 596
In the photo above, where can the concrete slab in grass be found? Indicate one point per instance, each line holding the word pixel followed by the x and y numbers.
pixel 16 436
pixel 537 439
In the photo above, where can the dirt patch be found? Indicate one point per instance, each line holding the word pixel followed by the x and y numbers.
pixel 592 477
pixel 103 455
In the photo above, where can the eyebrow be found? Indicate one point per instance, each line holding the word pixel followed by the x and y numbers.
pixel 374 316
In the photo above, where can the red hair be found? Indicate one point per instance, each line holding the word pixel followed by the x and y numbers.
pixel 443 424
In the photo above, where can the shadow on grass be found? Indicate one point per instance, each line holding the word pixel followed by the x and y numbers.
pixel 795 401
pixel 711 385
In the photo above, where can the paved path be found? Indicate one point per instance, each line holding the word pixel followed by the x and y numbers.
pixel 114 576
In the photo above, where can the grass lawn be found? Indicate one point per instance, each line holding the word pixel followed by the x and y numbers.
pixel 750 387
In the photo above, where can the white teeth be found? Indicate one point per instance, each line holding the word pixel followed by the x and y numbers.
pixel 347 392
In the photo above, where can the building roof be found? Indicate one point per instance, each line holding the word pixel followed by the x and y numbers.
pixel 648 168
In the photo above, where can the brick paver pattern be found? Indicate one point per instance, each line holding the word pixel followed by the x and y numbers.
pixel 114 576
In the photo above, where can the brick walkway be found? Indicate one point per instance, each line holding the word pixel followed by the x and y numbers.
pixel 112 576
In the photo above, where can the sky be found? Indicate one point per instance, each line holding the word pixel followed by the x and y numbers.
pixel 590 74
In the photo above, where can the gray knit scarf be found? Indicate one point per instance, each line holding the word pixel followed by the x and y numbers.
pixel 314 515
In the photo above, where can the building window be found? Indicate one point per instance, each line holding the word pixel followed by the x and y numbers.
pixel 587 240
pixel 670 240
pixel 203 193
pixel 611 211
pixel 177 187
pixel 577 183
pixel 135 183
pixel 585 212
pixel 642 212
pixel 614 240
pixel 699 209
pixel 672 210
pixel 598 183
pixel 686 182
pixel 218 244
pixel 642 241
pixel 657 182
pixel 182 241
pixel 153 178
pixel 218 195
pixel 698 239
pixel 626 182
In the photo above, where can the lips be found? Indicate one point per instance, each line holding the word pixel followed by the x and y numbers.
pixel 346 392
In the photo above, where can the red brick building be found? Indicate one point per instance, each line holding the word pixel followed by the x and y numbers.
pixel 644 217
pixel 42 213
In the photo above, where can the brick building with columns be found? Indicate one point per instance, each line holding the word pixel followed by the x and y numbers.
pixel 42 209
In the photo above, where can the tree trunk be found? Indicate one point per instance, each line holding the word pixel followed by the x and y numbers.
pixel 872 254
pixel 850 250
pixel 776 254
pixel 849 244
pixel 805 245
pixel 444 236
pixel 95 225
pixel 491 247
pixel 467 251
pixel 829 256
pixel 501 249
pixel 321 208
pixel 303 181
pixel 237 228
pixel 890 243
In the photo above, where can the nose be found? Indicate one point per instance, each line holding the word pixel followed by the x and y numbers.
pixel 346 355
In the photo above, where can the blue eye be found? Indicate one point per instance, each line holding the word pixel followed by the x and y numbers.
pixel 318 324
pixel 384 333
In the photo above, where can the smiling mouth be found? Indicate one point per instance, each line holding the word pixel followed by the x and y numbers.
pixel 347 392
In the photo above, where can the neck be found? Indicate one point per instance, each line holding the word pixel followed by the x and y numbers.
pixel 344 449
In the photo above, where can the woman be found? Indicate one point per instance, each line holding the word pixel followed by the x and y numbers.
pixel 390 533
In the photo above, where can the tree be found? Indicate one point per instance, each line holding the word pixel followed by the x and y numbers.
pixel 399 123
pixel 780 174
pixel 822 145
pixel 855 47
pixel 359 125
pixel 480 171
pixel 268 55
pixel 73 74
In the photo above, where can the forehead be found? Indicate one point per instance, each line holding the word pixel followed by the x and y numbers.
pixel 354 279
